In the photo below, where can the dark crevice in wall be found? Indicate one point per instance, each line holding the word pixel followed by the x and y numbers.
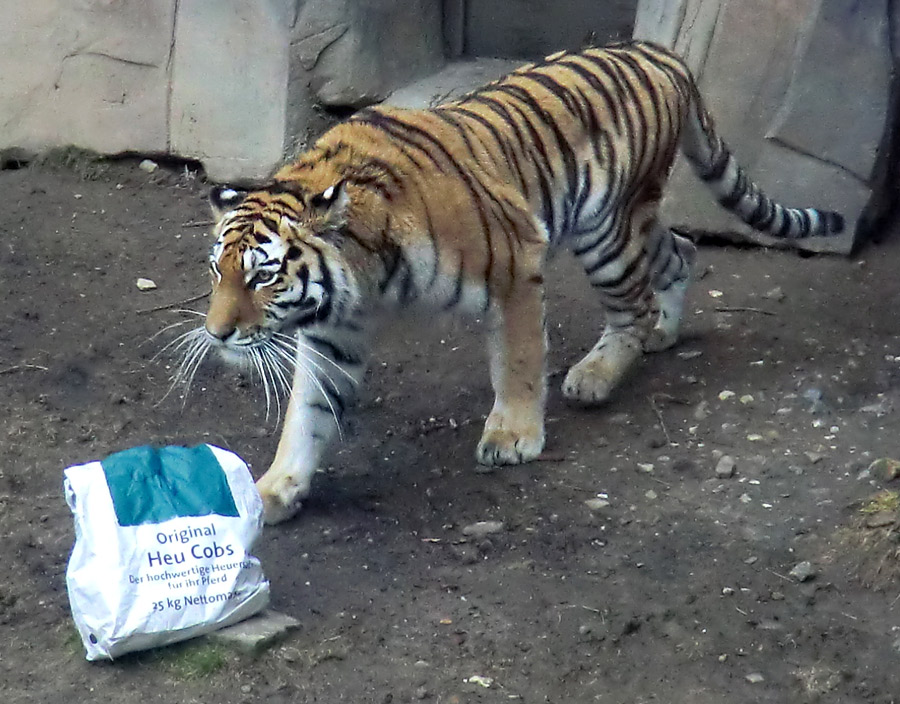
pixel 881 214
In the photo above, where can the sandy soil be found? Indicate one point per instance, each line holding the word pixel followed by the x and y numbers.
pixel 676 591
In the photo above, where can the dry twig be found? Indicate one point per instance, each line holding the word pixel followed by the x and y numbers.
pixel 177 304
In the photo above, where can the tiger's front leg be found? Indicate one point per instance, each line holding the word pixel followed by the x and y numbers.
pixel 326 379
pixel 514 431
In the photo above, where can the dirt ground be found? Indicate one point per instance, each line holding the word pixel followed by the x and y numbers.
pixel 677 590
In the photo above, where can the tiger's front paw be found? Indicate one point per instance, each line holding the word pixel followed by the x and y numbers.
pixel 504 443
pixel 282 496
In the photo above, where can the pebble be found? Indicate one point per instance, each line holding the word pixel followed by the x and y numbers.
pixel 701 410
pixel 482 529
pixel 755 678
pixel 148 165
pixel 803 571
pixel 481 681
pixel 745 499
pixel 725 467
pixel 726 394
pixel 775 294
pixel 650 494
pixel 145 284
pixel 814 457
pixel 645 467
pixel 746 399
pixel 596 504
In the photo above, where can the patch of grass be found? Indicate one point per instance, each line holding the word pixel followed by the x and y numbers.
pixel 193 660
pixel 873 539
pixel 84 163
pixel 71 641
pixel 885 500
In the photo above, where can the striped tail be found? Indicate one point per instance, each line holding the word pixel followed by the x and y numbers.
pixel 715 164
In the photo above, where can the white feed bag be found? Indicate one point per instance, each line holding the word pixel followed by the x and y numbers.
pixel 162 541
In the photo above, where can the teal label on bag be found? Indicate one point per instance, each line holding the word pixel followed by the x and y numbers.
pixel 152 485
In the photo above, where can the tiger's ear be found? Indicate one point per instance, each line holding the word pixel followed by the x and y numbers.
pixel 225 198
pixel 331 205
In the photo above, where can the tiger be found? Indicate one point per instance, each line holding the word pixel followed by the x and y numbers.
pixel 456 208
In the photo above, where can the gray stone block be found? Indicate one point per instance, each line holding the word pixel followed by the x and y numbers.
pixel 257 633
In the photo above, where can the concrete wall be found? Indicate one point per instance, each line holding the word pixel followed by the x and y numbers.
pixel 228 82
pixel 534 28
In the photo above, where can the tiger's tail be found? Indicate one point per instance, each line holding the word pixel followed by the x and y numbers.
pixel 717 167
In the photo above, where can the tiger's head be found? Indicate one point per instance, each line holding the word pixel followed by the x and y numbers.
pixel 275 265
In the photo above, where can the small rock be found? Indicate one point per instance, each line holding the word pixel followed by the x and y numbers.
pixel 882 408
pixel 481 681
pixel 145 284
pixel 881 519
pixel 650 494
pixel 422 693
pixel 645 467
pixel 885 468
pixel 775 294
pixel 690 354
pixel 727 591
pixel 246 688
pixel 726 394
pixel 755 678
pixel 746 399
pixel 745 498
pixel 777 596
pixel 725 467
pixel 596 504
pixel 814 457
pixel 803 571
pixel 482 529
pixel 148 165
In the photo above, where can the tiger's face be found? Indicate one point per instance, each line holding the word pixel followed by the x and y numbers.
pixel 272 272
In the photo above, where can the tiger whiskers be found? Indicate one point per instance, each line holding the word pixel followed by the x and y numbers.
pixel 291 356
pixel 195 345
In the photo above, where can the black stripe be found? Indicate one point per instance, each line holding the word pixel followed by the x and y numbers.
pixel 805 223
pixel 332 351
pixel 598 86
pixel 718 168
pixel 499 108
pixel 737 191
pixel 395 128
pixel 568 155
pixel 458 290
pixel 758 216
pixel 786 225
pixel 510 154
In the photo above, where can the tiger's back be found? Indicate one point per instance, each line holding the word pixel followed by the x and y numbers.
pixel 456 207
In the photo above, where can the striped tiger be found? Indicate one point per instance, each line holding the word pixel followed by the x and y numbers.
pixel 455 208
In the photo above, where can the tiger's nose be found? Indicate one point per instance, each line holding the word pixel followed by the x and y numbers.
pixel 220 332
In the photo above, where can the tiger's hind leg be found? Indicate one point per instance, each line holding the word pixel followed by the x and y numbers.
pixel 671 259
pixel 617 265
